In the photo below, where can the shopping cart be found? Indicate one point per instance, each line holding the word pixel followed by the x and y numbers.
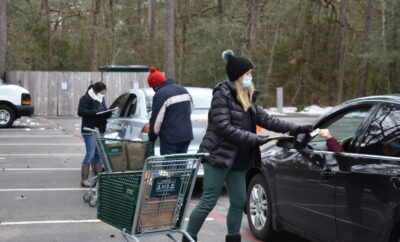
pixel 149 202
pixel 117 155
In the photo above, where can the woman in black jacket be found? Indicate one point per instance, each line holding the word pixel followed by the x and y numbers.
pixel 89 105
pixel 233 144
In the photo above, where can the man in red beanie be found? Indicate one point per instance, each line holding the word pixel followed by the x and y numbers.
pixel 170 116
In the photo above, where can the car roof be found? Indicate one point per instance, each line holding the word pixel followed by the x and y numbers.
pixel 374 99
pixel 370 100
pixel 149 91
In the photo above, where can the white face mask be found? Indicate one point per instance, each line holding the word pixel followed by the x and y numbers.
pixel 247 81
pixel 100 96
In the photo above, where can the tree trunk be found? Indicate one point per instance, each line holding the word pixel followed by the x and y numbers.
pixel 3 38
pixel 394 86
pixel 361 89
pixel 221 11
pixel 169 43
pixel 94 37
pixel 112 25
pixel 152 23
pixel 49 36
pixel 340 51
pixel 271 56
pixel 253 20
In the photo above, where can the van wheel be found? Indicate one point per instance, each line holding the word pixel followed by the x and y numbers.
pixel 7 116
pixel 259 209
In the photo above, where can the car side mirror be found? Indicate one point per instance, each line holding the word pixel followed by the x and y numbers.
pixel 300 141
pixel 286 143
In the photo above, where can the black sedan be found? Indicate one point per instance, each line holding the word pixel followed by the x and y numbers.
pixel 354 195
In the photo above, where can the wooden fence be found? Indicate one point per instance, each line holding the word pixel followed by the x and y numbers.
pixel 58 93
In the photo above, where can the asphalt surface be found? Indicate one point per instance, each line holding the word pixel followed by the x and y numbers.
pixel 40 196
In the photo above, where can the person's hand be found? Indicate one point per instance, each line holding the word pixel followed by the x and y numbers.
pixel 305 129
pixel 262 139
pixel 325 133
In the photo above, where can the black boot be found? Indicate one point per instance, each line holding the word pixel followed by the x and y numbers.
pixel 184 239
pixel 233 238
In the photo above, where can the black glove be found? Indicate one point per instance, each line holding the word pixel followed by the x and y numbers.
pixel 262 139
pixel 304 129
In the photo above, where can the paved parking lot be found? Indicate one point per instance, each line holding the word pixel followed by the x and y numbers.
pixel 40 196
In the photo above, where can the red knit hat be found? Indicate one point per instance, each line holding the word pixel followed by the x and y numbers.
pixel 155 77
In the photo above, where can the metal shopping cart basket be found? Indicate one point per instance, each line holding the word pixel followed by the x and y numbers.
pixel 150 202
pixel 117 155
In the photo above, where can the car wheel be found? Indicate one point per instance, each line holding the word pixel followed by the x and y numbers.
pixel 259 209
pixel 395 236
pixel 7 116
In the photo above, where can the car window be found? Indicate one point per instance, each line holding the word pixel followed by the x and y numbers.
pixel 382 136
pixel 343 127
pixel 149 102
pixel 119 102
pixel 130 109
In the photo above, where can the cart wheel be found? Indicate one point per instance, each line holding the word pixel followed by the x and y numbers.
pixel 87 197
pixel 93 203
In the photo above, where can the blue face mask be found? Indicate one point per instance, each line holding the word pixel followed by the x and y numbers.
pixel 247 81
pixel 100 96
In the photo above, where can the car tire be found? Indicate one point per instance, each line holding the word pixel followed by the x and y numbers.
pixel 259 209
pixel 7 116
pixel 395 235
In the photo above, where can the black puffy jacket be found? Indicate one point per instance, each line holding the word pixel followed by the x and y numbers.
pixel 224 132
pixel 87 109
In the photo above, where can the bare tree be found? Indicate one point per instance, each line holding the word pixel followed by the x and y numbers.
pixel 112 24
pixel 253 20
pixel 169 43
pixel 3 37
pixel 49 35
pixel 365 49
pixel 152 23
pixel 94 37
pixel 221 11
pixel 340 52
pixel 394 85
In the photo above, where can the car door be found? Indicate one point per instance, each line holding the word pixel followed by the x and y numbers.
pixel 368 187
pixel 305 182
pixel 131 116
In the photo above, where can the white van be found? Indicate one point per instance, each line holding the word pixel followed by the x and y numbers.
pixel 15 102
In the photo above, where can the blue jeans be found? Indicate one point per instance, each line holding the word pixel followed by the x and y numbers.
pixel 92 154
pixel 167 149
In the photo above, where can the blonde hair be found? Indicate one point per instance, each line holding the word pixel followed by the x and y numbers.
pixel 244 95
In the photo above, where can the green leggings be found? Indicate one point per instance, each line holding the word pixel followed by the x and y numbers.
pixel 213 183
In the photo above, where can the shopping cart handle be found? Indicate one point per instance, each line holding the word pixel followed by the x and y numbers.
pixel 174 156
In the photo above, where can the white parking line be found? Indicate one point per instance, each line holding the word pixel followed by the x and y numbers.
pixel 8 155
pixel 40 169
pixel 207 219
pixel 50 222
pixel 37 136
pixel 63 222
pixel 42 144
pixel 42 189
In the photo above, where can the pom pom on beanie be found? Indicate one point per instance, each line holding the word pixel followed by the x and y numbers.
pixel 155 77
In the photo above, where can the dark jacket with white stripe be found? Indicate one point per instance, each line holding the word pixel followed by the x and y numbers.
pixel 170 116
pixel 224 133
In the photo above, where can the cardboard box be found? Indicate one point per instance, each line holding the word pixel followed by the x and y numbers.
pixel 156 212
pixel 118 157
pixel 136 154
